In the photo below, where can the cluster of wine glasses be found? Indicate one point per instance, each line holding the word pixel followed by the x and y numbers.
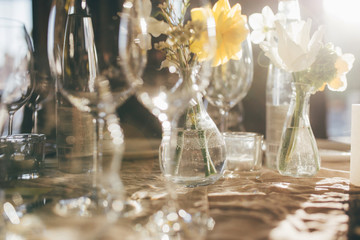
pixel 21 154
pixel 20 83
pixel 16 65
pixel 90 75
pixel 98 72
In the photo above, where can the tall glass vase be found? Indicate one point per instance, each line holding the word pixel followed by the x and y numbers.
pixel 278 91
pixel 298 154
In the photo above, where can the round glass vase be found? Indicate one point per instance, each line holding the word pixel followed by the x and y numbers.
pixel 298 154
pixel 194 153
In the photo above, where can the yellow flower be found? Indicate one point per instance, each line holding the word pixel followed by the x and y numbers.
pixel 231 31
pixel 343 65
pixel 200 44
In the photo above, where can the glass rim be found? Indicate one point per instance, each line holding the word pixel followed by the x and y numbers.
pixel 23 137
pixel 10 22
pixel 242 134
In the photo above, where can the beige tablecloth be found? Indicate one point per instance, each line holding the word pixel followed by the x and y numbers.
pixel 270 207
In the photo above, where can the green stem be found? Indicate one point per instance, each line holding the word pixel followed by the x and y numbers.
pixel 208 164
pixel 179 150
pixel 291 131
pixel 180 140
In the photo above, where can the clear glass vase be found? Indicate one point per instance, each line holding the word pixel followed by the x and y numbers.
pixel 194 153
pixel 298 154
pixel 278 90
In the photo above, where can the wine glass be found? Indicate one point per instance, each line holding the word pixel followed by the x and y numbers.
pixel 16 63
pixel 92 80
pixel 172 77
pixel 230 82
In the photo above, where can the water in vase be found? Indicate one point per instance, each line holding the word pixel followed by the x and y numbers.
pixel 198 157
pixel 302 159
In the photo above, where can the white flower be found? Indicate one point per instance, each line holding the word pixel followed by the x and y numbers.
pixel 155 27
pixel 294 51
pixel 152 26
pixel 263 25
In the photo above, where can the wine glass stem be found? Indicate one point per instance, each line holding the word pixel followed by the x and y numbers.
pixel 97 150
pixel 35 128
pixel 224 120
pixel 10 126
pixel 169 185
pixel 3 117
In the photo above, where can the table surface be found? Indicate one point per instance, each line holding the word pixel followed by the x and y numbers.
pixel 269 207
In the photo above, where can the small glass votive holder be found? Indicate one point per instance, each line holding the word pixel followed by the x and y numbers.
pixel 22 156
pixel 243 154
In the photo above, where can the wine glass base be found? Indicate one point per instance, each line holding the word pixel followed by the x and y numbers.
pixel 97 204
pixel 84 206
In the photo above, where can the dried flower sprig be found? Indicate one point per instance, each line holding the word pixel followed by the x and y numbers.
pixel 181 47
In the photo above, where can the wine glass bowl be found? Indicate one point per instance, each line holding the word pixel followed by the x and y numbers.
pixel 16 63
pixel 165 93
pixel 133 41
pixel 92 70
pixel 230 82
pixel 80 62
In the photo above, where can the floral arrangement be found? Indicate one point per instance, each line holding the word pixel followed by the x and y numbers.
pixel 313 64
pixel 291 48
pixel 189 43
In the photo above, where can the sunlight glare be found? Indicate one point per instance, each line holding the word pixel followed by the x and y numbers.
pixel 345 10
pixel 160 101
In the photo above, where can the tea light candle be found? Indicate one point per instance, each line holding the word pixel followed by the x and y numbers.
pixel 355 145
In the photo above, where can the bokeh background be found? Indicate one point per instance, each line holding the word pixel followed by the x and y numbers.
pixel 330 112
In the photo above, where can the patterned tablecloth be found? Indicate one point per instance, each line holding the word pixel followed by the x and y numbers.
pixel 269 207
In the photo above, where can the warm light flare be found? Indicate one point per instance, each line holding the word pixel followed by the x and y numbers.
pixel 345 10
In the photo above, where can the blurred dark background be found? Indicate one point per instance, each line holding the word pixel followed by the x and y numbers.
pixel 329 111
